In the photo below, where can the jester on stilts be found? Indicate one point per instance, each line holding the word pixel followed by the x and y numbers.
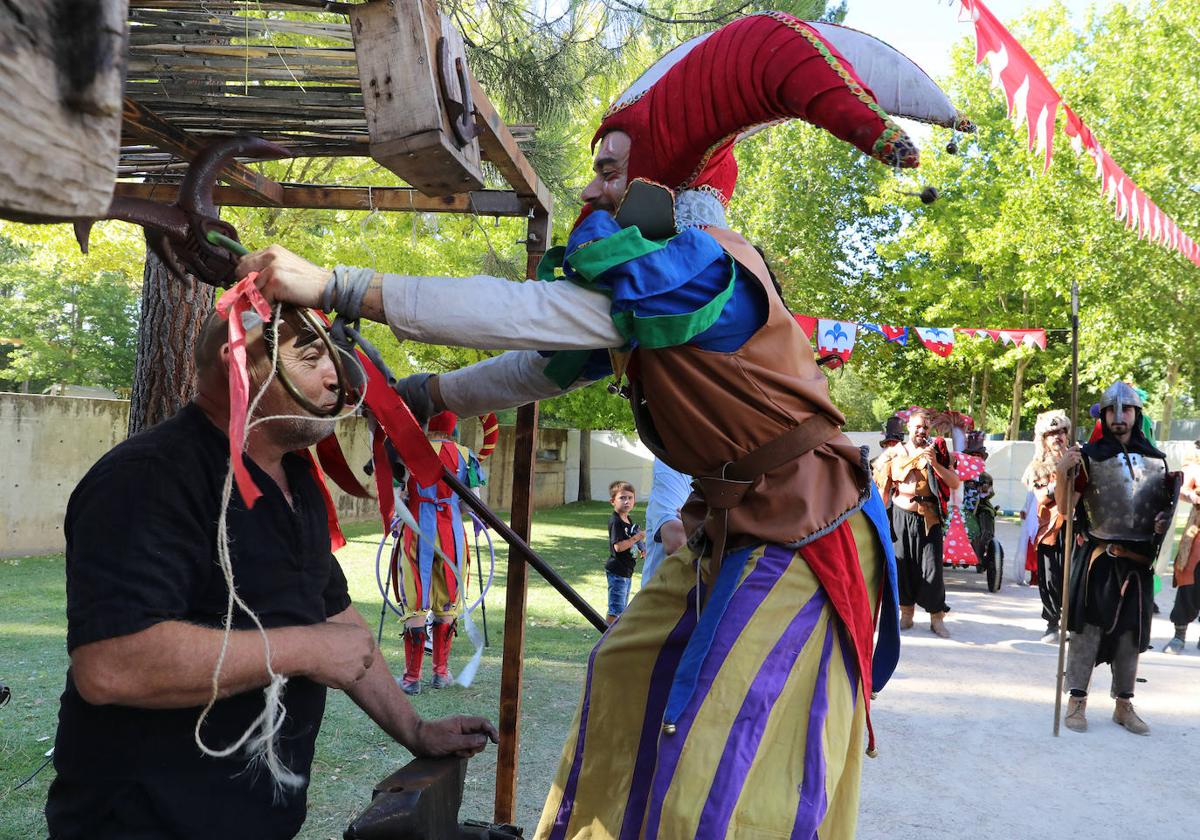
pixel 732 698
pixel 429 583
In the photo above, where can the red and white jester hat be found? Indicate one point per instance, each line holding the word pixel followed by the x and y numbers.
pixel 685 113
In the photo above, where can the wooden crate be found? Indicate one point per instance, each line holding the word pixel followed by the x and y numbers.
pixel 403 48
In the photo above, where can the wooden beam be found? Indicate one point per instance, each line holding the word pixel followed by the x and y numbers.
pixel 513 664
pixel 60 110
pixel 144 123
pixel 500 147
pixel 402 199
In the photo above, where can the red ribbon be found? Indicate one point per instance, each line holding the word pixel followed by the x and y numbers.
pixel 239 299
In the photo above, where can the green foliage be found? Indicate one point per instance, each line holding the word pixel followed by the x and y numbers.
pixel 66 325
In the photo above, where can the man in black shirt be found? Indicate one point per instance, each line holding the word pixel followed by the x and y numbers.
pixel 145 603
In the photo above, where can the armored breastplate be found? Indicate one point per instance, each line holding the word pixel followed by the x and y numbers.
pixel 1123 497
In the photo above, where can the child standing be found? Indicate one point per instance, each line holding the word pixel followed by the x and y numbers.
pixel 623 535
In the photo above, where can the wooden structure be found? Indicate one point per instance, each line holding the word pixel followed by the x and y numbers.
pixel 385 79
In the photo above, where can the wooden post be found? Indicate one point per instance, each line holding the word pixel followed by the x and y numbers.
pixel 521 517
pixel 513 663
pixel 61 71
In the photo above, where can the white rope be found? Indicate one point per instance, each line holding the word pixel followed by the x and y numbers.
pixel 261 737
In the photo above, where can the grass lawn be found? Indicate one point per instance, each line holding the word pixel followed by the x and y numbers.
pixel 351 753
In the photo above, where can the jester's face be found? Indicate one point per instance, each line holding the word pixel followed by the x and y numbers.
pixel 611 165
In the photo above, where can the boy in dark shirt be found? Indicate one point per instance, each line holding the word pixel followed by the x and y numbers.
pixel 623 535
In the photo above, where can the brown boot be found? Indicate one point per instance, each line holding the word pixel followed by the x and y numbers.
pixel 1076 719
pixel 937 625
pixel 1124 715
pixel 906 616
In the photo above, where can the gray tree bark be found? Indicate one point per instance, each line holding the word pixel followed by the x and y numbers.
pixel 173 311
pixel 1014 419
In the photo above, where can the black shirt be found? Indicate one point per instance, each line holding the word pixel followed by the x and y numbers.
pixel 141 548
pixel 620 562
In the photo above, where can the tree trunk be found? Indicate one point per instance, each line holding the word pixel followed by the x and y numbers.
pixel 1168 408
pixel 1014 419
pixel 173 311
pixel 981 417
pixel 585 465
pixel 971 396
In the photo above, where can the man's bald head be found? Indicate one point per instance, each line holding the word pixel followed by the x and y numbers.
pixel 214 335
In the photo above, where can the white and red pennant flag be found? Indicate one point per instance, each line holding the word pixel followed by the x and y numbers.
pixel 939 340
pixel 836 337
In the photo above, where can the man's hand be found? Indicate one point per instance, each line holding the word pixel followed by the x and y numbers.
pixel 285 277
pixel 1161 522
pixel 1070 459
pixel 339 654
pixel 460 735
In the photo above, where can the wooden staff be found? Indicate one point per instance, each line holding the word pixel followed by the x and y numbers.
pixel 1067 508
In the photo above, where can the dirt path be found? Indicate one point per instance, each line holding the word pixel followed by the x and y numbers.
pixel 964 732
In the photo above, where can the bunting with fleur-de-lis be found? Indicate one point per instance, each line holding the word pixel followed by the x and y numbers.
pixel 836 338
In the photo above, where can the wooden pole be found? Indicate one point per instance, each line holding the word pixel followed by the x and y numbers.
pixel 1068 510
pixel 513 662
pixel 512 666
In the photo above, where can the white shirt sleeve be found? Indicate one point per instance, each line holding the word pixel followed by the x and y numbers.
pixel 510 379
pixel 488 313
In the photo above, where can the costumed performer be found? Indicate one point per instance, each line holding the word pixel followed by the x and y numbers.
pixel 1051 438
pixel 733 696
pixel 1125 490
pixel 1187 557
pixel 915 479
pixel 431 585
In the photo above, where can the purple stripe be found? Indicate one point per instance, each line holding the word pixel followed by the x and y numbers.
pixel 559 830
pixel 754 588
pixel 656 701
pixel 746 733
pixel 814 802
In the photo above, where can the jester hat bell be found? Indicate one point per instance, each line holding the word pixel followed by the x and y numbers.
pixel 686 112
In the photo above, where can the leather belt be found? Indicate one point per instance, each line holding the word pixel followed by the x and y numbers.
pixel 1118 550
pixel 722 493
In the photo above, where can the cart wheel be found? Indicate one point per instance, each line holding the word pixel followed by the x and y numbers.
pixel 995 568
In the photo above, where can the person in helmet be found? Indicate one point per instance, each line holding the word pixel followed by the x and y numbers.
pixel 1121 481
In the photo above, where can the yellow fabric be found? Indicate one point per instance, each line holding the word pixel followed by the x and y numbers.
pixel 770 796
pixel 440 603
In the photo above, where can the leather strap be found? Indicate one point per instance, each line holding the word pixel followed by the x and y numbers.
pixel 1117 550
pixel 724 492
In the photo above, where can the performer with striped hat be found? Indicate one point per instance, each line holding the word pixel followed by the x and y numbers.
pixel 732 697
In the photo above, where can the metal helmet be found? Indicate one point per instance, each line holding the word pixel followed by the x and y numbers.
pixel 1118 395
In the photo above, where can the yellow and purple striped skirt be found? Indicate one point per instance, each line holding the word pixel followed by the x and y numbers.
pixel 760 697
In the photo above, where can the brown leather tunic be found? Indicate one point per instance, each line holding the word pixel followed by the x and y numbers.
pixel 699 409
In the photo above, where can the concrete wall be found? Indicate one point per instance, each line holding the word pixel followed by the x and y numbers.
pixel 46 446
pixel 550 468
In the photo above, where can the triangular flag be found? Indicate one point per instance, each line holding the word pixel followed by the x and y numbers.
pixel 807 324
pixel 896 334
pixel 836 337
pixel 937 339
